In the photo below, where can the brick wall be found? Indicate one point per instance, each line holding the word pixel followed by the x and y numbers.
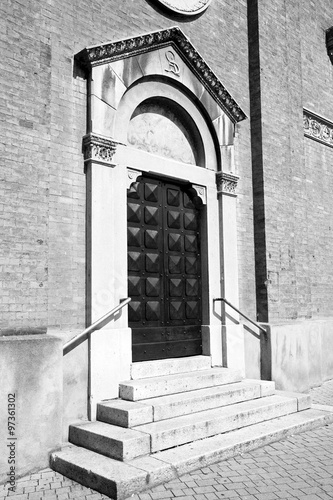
pixel 290 230
pixel 43 119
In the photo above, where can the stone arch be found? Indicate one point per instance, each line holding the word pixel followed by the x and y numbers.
pixel 164 94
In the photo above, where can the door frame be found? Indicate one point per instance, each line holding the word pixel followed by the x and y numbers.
pixel 164 184
pixel 113 69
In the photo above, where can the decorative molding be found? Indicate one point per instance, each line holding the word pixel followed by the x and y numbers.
pixel 174 37
pixel 201 192
pixel 318 128
pixel 98 148
pixel 226 183
pixel 186 7
pixel 329 43
pixel 132 176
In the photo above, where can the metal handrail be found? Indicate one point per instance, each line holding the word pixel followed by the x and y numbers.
pixel 222 299
pixel 81 337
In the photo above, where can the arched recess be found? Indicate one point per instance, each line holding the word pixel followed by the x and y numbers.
pixel 171 98
pixel 164 68
pixel 160 126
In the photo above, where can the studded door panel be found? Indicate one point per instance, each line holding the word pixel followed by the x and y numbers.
pixel 163 271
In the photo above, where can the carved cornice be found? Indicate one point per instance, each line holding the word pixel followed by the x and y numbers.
pixel 98 148
pixel 318 128
pixel 108 52
pixel 226 183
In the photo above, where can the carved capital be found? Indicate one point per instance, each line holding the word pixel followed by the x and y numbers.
pixel 317 128
pixel 226 183
pixel 99 149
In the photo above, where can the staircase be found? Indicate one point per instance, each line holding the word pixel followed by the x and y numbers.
pixel 175 416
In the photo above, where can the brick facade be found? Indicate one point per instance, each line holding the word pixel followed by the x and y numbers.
pixel 43 116
pixel 271 57
pixel 290 70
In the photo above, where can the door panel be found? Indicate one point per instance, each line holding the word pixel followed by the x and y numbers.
pixel 163 271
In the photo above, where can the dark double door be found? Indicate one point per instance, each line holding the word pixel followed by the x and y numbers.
pixel 164 276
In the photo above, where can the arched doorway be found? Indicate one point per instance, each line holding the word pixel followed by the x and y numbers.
pixel 164 237
pixel 156 133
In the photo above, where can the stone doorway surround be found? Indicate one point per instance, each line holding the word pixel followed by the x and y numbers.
pixel 121 75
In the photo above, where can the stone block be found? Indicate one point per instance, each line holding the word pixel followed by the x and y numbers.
pixel 124 413
pixel 110 440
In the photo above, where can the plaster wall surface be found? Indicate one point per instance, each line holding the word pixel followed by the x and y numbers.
pixel 31 369
pixel 302 354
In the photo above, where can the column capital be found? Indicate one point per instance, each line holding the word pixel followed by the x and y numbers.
pixel 226 183
pixel 98 148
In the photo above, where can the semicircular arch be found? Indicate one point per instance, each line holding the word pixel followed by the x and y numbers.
pixel 189 120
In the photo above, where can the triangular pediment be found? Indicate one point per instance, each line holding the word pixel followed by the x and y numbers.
pixel 174 37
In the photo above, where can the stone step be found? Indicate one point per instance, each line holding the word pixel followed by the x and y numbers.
pixel 131 414
pixel 120 480
pixel 187 403
pixel 134 390
pixel 176 431
pixel 124 413
pixel 163 367
pixel 110 440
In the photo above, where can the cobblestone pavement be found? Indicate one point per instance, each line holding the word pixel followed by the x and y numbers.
pixel 300 467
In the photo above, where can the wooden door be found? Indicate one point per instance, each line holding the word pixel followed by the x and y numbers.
pixel 164 280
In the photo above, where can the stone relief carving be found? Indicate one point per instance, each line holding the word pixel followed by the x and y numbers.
pixel 156 129
pixel 98 148
pixel 318 128
pixel 175 38
pixel 201 192
pixel 132 176
pixel 173 66
pixel 226 182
